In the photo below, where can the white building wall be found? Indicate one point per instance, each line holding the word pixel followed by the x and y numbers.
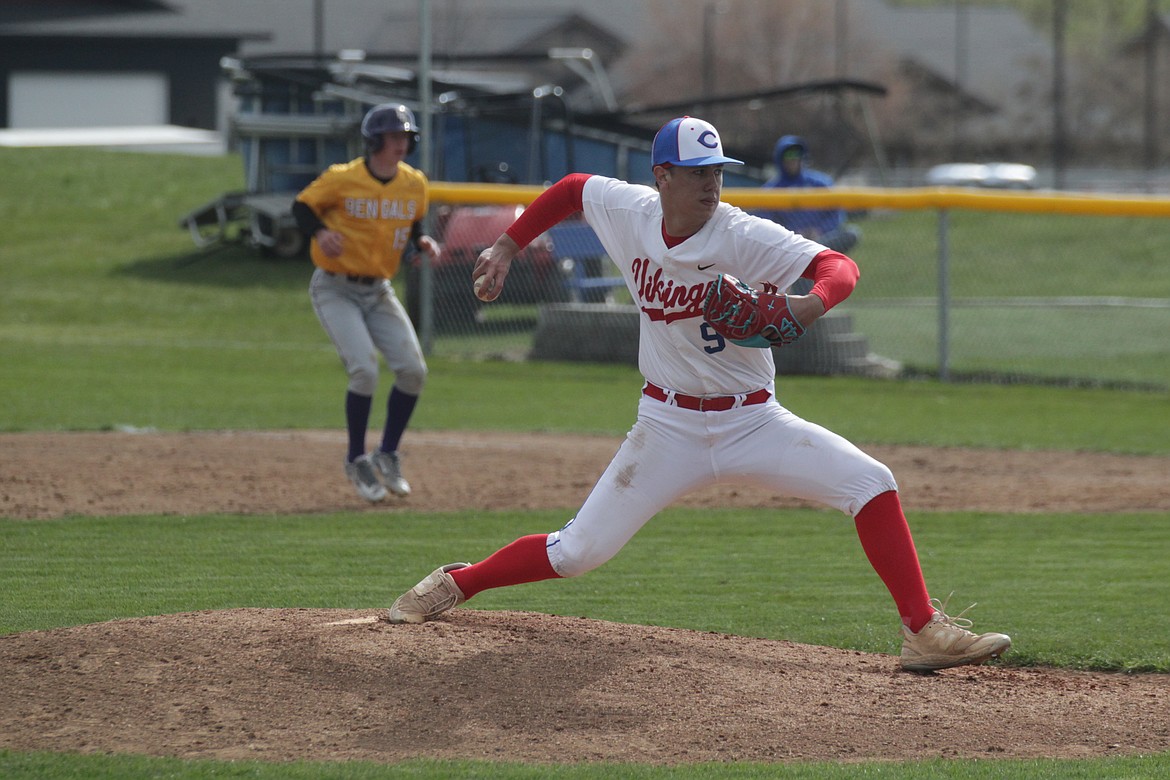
pixel 89 99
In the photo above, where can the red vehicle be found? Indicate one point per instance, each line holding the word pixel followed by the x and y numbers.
pixel 464 232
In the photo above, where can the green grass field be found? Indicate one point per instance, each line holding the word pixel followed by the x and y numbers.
pixel 1032 295
pixel 1028 342
pixel 818 587
pixel 109 318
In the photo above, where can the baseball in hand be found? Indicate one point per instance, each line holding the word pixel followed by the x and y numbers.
pixel 479 291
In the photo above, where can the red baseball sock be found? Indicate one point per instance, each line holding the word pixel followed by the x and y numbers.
pixel 524 560
pixel 885 537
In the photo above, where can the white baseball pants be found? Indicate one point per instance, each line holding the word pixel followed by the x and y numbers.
pixel 671 451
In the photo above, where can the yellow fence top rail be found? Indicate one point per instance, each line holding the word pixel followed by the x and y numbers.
pixel 937 198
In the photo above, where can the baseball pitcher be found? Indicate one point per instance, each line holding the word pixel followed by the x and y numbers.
pixel 707 280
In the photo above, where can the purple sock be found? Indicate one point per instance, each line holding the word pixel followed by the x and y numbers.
pixel 399 407
pixel 357 420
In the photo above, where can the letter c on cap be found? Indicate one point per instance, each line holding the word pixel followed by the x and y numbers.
pixel 709 139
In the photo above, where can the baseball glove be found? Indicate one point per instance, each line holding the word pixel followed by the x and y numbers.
pixel 747 317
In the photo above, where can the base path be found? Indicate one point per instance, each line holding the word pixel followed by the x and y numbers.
pixel 47 475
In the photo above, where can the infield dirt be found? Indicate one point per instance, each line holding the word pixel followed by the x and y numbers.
pixel 287 684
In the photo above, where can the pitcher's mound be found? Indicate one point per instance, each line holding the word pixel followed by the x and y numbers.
pixel 288 684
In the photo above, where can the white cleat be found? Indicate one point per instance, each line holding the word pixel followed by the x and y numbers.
pixel 436 594
pixel 945 642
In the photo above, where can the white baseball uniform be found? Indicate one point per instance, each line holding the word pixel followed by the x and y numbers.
pixel 672 450
pixel 708 412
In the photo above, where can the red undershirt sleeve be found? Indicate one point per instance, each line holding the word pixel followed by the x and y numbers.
pixel 834 276
pixel 549 208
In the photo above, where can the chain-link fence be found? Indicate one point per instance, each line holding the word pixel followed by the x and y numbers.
pixel 955 284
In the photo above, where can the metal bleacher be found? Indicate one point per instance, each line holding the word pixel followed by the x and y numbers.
pixel 580 253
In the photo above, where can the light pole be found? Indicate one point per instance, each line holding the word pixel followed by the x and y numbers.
pixel 712 9
pixel 1059 151
pixel 960 77
pixel 426 153
pixel 841 35
pixel 1151 125
pixel 708 61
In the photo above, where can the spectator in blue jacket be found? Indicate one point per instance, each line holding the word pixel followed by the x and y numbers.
pixel 825 226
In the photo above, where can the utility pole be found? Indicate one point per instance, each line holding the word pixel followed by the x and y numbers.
pixel 841 34
pixel 318 28
pixel 708 60
pixel 1059 150
pixel 1153 41
pixel 426 151
pixel 961 42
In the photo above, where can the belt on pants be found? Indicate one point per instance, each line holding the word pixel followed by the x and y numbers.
pixel 356 278
pixel 719 403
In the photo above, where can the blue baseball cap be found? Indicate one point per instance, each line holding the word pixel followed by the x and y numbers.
pixel 690 142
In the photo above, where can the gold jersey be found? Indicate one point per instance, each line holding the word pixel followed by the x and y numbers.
pixel 375 217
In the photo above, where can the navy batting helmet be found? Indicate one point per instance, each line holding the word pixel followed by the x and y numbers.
pixel 388 118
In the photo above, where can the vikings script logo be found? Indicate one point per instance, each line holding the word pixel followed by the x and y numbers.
pixel 666 300
pixel 674 301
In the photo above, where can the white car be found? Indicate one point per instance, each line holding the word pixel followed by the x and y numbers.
pixel 998 175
